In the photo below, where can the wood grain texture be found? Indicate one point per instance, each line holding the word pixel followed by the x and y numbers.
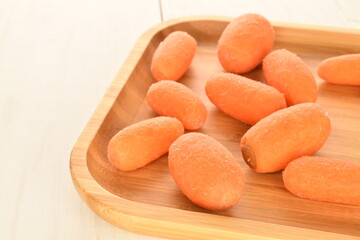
pixel 339 13
pixel 150 198
pixel 57 58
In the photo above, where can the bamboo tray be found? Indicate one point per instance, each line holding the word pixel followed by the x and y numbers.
pixel 147 201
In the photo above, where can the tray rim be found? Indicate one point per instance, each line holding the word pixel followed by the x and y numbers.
pixel 171 222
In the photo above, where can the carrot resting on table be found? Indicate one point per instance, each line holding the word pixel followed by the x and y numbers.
pixel 285 135
pixel 205 171
pixel 344 69
pixel 289 74
pixel 173 56
pixel 324 179
pixel 172 99
pixel 242 98
pixel 245 42
pixel 143 142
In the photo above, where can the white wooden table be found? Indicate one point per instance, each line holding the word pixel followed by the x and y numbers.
pixel 56 60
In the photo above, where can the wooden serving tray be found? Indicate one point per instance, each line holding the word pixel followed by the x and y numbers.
pixel 147 200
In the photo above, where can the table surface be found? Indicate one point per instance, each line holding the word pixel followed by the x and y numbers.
pixel 57 59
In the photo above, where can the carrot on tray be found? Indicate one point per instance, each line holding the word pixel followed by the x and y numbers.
pixel 289 74
pixel 324 179
pixel 344 69
pixel 205 171
pixel 245 42
pixel 172 99
pixel 242 98
pixel 274 141
pixel 173 56
pixel 143 142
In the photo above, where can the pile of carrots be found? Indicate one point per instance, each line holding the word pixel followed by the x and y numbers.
pixel 288 127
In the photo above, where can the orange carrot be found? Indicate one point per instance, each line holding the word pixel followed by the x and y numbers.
pixel 344 69
pixel 143 142
pixel 205 171
pixel 245 42
pixel 173 56
pixel 287 134
pixel 172 99
pixel 324 179
pixel 289 74
pixel 242 98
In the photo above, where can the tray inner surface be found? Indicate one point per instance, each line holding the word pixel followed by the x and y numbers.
pixel 264 198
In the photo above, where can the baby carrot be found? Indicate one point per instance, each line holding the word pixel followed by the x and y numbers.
pixel 172 99
pixel 143 142
pixel 242 98
pixel 289 74
pixel 173 56
pixel 274 141
pixel 245 42
pixel 344 69
pixel 205 171
pixel 324 179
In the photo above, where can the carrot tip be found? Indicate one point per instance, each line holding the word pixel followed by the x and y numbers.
pixel 248 156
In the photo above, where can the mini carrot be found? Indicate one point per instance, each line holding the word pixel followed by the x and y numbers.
pixel 173 56
pixel 143 142
pixel 205 171
pixel 324 179
pixel 242 98
pixel 172 99
pixel 245 42
pixel 344 69
pixel 274 141
pixel 289 74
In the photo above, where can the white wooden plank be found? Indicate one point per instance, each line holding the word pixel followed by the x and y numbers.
pixel 56 60
pixel 340 13
pixel 351 10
